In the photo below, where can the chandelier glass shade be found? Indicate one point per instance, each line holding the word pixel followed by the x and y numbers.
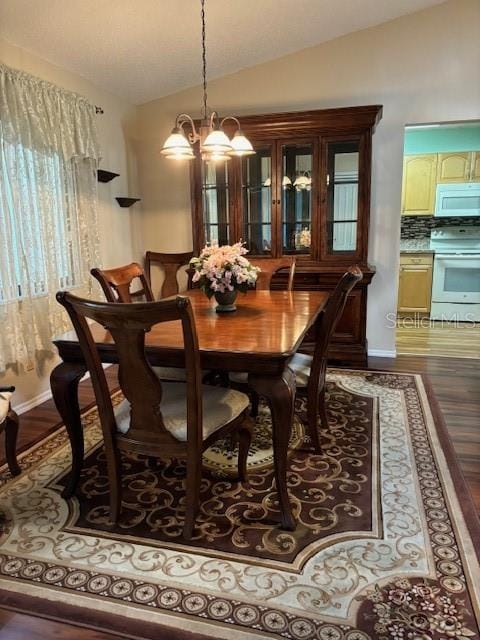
pixel 214 143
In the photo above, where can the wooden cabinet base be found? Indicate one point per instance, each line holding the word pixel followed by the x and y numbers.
pixel 349 343
pixel 415 284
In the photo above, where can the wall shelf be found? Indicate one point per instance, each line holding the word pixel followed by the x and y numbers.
pixel 106 176
pixel 126 202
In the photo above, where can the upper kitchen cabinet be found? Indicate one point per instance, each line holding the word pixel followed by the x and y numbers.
pixel 305 192
pixel 475 167
pixel 455 166
pixel 419 184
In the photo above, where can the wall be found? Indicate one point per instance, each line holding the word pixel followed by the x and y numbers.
pixel 119 239
pixel 421 67
pixel 442 139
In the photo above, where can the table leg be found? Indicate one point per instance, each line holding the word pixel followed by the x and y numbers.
pixel 64 381
pixel 279 391
pixel 11 432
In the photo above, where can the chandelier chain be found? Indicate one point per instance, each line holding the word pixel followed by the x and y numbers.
pixel 204 62
pixel 214 142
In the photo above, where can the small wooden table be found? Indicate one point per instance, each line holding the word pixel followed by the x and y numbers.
pixel 260 337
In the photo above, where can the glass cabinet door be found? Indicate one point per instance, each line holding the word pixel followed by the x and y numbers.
pixel 342 197
pixel 215 202
pixel 257 185
pixel 296 198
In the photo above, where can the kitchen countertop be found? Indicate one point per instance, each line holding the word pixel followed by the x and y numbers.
pixel 415 245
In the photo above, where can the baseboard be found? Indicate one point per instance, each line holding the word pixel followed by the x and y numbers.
pixel 33 402
pixel 23 407
pixel 382 353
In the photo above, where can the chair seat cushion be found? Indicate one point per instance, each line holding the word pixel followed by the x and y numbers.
pixel 300 364
pixel 170 373
pixel 220 406
pixel 4 404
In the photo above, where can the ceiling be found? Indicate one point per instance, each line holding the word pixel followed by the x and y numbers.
pixel 145 49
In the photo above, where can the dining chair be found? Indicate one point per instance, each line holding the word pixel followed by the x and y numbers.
pixel 157 418
pixel 171 263
pixel 9 423
pixel 116 285
pixel 269 267
pixel 310 371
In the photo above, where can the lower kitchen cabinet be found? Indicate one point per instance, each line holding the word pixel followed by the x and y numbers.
pixel 415 286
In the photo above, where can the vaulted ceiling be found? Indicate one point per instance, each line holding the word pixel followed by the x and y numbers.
pixel 145 49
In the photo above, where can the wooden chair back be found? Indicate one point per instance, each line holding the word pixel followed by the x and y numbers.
pixel 116 283
pixel 171 263
pixel 332 314
pixel 269 267
pixel 9 389
pixel 128 324
pixel 9 423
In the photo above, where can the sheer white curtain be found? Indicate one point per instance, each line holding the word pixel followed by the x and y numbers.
pixel 48 210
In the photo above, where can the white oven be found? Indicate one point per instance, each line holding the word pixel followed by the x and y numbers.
pixel 456 274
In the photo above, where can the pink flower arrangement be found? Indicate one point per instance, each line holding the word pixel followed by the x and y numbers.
pixel 225 268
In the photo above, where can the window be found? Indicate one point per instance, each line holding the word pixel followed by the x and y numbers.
pixel 27 235
pixel 48 211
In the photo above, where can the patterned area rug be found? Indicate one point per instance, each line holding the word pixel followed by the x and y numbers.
pixel 384 547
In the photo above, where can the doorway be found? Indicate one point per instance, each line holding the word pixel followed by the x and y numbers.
pixel 438 307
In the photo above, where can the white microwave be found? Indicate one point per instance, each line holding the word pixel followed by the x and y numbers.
pixel 458 199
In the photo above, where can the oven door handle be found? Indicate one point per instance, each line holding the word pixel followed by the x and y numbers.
pixel 457 256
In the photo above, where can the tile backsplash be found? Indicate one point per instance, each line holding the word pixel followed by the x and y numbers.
pixel 419 226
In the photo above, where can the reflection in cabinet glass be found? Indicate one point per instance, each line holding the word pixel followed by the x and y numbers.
pixel 296 198
pixel 342 196
pixel 257 201
pixel 215 199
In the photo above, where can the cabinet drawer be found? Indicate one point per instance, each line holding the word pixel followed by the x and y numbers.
pixel 413 259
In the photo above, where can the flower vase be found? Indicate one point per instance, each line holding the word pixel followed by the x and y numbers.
pixel 226 301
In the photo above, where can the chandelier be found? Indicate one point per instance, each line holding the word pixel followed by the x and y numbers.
pixel 214 142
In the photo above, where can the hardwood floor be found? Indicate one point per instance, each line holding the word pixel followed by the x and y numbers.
pixel 422 336
pixel 456 383
pixel 35 424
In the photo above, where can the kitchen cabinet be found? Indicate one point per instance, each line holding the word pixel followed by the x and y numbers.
pixel 415 283
pixel 458 166
pixel 419 184
pixel 305 192
pixel 475 170
pixel 454 166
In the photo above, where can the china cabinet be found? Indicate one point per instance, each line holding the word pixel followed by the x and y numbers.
pixel 305 192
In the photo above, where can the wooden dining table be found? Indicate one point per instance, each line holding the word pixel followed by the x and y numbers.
pixel 260 337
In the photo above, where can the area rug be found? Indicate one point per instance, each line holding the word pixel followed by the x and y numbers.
pixel 385 545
